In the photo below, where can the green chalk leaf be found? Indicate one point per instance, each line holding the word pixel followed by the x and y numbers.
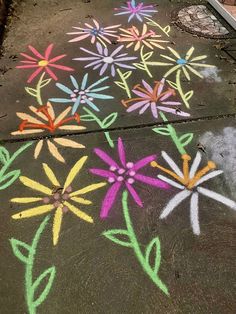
pixel 186 139
pixel 115 235
pixel 120 84
pixel 4 155
pixel 139 66
pixel 188 95
pixel 154 249
pixel 167 29
pixel 19 246
pixel 45 82
pixel 31 91
pixel 109 120
pixel 127 74
pixel 9 178
pixel 162 131
pixel 172 84
pixel 48 277
pixel 87 117
pixel 148 55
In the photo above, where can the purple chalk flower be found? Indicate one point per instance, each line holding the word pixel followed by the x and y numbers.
pixel 104 60
pixel 123 175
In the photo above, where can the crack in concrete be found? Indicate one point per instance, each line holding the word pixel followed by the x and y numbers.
pixel 115 129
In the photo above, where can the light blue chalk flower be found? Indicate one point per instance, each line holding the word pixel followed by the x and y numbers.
pixel 81 95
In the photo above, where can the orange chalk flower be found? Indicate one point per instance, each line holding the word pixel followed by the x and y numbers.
pixel 46 120
pixel 137 38
pixel 58 198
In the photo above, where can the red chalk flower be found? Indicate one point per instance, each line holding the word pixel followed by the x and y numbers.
pixel 42 63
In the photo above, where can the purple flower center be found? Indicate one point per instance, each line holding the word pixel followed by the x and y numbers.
pixel 82 94
pixel 125 174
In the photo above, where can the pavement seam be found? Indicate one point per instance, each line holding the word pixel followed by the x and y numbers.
pixel 150 125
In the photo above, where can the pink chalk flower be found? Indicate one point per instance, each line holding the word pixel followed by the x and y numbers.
pixel 123 175
pixel 42 63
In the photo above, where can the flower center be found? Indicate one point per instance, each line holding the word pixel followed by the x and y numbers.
pixel 108 60
pixel 58 198
pixel 43 63
pixel 181 61
pixel 82 94
pixel 126 174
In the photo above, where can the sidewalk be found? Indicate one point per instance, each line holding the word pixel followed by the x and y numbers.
pixel 117 179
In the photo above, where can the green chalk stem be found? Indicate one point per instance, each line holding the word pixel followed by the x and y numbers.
pixel 180 141
pixel 30 284
pixel 185 97
pixel 103 124
pixel 143 258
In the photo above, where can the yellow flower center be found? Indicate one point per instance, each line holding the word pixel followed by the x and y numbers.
pixel 188 182
pixel 43 63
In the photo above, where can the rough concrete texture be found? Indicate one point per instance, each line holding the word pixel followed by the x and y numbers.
pixel 133 213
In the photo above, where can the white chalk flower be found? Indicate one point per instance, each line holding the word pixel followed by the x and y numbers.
pixel 189 181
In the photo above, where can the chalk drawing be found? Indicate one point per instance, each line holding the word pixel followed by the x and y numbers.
pixel 43 283
pixel 123 175
pixel 57 198
pixel 42 63
pixel 137 39
pixel 153 249
pixel 136 9
pixel 97 33
pixel 155 98
pixel 103 60
pixel 189 179
pixel 47 121
pixel 103 124
pixel 179 65
pixel 83 94
pixel 7 176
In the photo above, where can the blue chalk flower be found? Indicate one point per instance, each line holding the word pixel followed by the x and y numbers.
pixel 85 95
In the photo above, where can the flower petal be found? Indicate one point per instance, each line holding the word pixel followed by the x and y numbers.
pixel 50 174
pixel 79 213
pixel 81 200
pixel 174 202
pixel 35 211
pixel 194 213
pixel 54 151
pixel 109 199
pixel 217 197
pixel 35 185
pixel 143 162
pixel 25 200
pixel 134 194
pixel 68 143
pixel 74 171
pixel 106 158
pixel 87 189
pixel 121 152
pixel 151 181
pixel 57 225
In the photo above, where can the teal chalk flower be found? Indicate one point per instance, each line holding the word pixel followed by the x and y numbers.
pixel 83 94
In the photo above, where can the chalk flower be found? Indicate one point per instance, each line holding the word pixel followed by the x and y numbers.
pixel 83 94
pixel 57 198
pixel 42 63
pixel 96 32
pixel 45 120
pixel 138 39
pixel 186 64
pixel 123 175
pixel 155 98
pixel 189 181
pixel 103 60
pixel 136 10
